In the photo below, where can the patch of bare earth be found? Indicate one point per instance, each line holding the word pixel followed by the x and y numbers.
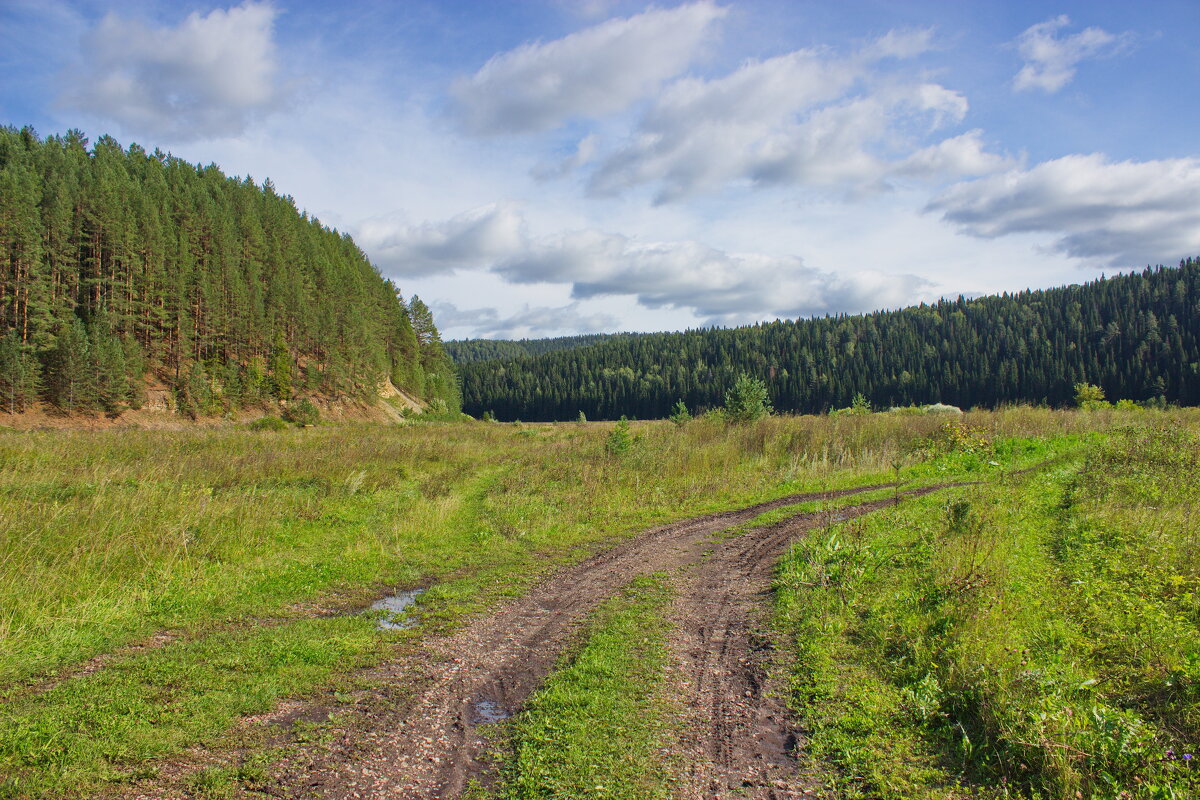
pixel 427 744
pixel 740 740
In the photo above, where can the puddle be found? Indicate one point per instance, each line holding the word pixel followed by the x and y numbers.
pixel 840 517
pixel 489 711
pixel 395 607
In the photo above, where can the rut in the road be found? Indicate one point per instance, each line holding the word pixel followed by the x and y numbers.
pixel 739 740
pixel 430 748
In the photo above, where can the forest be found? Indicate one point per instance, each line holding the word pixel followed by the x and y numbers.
pixel 121 269
pixel 465 351
pixel 1137 336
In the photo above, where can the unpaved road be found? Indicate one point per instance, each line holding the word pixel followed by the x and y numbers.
pixel 428 746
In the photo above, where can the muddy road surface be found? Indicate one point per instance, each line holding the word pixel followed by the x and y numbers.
pixel 429 745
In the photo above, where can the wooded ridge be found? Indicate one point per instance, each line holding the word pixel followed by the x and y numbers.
pixel 1135 335
pixel 122 267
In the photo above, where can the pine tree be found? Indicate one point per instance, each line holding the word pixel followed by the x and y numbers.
pixel 20 377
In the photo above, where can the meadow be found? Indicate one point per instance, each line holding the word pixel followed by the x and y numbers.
pixel 1037 633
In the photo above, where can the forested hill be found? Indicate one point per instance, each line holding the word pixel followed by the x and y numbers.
pixel 123 268
pixel 466 351
pixel 1137 336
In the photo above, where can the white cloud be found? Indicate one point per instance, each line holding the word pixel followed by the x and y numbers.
pixel 1120 213
pixel 804 118
pixel 958 156
pixel 528 323
pixel 1050 61
pixel 724 288
pixel 591 73
pixel 472 240
pixel 208 76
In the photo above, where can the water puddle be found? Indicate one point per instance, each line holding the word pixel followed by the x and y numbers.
pixel 489 711
pixel 397 615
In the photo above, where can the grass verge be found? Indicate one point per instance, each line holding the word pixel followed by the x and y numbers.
pixel 1036 637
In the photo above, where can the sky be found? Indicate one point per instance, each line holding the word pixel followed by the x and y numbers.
pixel 551 167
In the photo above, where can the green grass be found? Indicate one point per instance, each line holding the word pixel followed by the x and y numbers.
pixel 1037 636
pixel 240 544
pixel 600 724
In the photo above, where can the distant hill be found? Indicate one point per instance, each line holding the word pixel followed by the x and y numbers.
pixel 467 351
pixel 1137 336
pixel 119 267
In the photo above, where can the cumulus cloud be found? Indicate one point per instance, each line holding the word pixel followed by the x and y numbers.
pixel 596 71
pixel 1050 61
pixel 803 118
pixel 1117 213
pixel 208 76
pixel 725 288
pixel 472 240
pixel 530 322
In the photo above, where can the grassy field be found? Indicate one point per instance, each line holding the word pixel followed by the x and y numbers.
pixel 155 587
pixel 1033 637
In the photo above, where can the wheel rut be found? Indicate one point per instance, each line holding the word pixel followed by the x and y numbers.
pixel 429 746
pixel 740 739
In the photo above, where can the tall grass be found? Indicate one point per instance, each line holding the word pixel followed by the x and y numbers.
pixel 1035 637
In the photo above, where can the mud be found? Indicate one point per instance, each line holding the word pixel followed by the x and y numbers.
pixel 740 739
pixel 427 745
pixel 396 612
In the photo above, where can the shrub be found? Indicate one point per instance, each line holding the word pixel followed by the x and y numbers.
pixel 302 412
pixel 1089 397
pixel 680 414
pixel 619 438
pixel 747 400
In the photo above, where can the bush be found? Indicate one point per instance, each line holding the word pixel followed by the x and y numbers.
pixel 680 414
pixel 267 423
pixel 302 412
pixel 619 438
pixel 747 400
pixel 1089 397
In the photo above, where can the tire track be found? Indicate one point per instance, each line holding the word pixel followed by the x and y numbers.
pixel 428 746
pixel 740 740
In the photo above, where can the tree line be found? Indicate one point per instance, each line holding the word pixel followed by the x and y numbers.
pixel 465 351
pixel 120 267
pixel 1135 335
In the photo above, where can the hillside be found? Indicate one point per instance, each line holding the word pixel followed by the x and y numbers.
pixel 1136 335
pixel 122 268
pixel 466 351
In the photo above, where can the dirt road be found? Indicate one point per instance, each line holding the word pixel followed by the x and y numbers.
pixel 429 747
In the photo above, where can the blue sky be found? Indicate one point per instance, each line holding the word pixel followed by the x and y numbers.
pixel 567 166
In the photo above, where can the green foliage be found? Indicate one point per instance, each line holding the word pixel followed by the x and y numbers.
pixel 466 351
pixel 1089 397
pixel 680 414
pixel 122 261
pixel 302 412
pixel 1134 334
pixel 581 418
pixel 747 400
pixel 267 423
pixel 619 439
pixel 20 374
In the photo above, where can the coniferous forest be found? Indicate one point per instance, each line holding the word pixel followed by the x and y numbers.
pixel 464 351
pixel 121 268
pixel 1137 336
